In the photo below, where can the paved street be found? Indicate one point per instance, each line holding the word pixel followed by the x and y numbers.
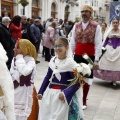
pixel 103 99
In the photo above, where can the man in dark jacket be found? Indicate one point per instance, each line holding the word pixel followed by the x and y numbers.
pixel 25 27
pixel 5 39
pixel 35 35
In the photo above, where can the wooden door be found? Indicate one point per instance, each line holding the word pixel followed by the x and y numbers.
pixel 7 8
pixel 53 14
pixel 35 12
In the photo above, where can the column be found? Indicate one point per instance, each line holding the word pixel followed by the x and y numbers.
pixel 63 4
pixel 15 8
pixel 28 9
pixel 0 7
pixel 48 12
pixel 43 10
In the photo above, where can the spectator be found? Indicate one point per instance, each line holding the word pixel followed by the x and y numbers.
pixel 68 27
pixel 49 40
pixel 5 39
pixel 16 28
pixel 35 36
pixel 25 27
pixel 104 26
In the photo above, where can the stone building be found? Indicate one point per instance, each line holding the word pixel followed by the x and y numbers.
pixel 61 9
pixel 98 7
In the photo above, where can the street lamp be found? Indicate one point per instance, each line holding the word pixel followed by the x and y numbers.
pixel 24 3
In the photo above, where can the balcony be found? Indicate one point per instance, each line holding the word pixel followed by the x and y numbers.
pixel 72 2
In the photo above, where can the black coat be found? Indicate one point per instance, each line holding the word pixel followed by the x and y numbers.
pixel 25 27
pixel 6 41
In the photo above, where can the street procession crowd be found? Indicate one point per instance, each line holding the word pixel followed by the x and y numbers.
pixel 76 52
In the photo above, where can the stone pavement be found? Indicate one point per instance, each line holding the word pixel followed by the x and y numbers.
pixel 103 99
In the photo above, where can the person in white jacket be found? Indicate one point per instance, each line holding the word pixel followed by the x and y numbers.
pixel 23 70
pixel 6 89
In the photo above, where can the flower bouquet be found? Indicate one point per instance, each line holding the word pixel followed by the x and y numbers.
pixel 24 2
pixel 82 71
pixel 88 59
pixel 77 79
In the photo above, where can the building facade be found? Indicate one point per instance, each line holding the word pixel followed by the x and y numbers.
pixel 99 9
pixel 61 9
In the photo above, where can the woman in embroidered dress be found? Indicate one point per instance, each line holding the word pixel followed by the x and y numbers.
pixel 23 71
pixel 6 89
pixel 61 102
pixel 109 63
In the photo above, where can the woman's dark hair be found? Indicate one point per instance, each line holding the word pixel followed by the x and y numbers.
pixel 70 22
pixel 105 24
pixel 60 21
pixel 28 19
pixel 16 20
pixel 64 40
pixel 116 18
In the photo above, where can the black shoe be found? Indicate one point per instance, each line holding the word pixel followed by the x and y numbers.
pixel 47 60
pixel 37 62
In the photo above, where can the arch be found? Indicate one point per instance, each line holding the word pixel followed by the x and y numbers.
pixel 67 12
pixel 54 10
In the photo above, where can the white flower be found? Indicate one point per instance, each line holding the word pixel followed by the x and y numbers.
pixel 79 68
pixel 85 56
pixel 91 66
pixel 86 69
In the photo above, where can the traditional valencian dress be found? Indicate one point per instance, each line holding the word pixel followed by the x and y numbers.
pixel 109 63
pixel 6 89
pixel 23 71
pixel 55 82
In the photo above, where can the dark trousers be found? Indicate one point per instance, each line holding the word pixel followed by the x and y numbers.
pixel 37 45
pixel 52 52
pixel 47 54
pixel 43 51
pixel 10 53
pixel 86 87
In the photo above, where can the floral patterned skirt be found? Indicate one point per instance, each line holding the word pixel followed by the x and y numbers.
pixel 107 75
pixel 74 111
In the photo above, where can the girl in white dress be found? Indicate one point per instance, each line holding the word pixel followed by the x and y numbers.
pixel 23 71
pixel 58 101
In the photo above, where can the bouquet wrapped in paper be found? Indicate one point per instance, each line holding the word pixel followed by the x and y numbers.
pixel 82 71
pixel 88 59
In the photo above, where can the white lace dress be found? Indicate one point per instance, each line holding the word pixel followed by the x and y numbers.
pixel 23 94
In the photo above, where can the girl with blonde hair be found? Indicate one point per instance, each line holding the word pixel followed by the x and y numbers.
pixel 23 71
